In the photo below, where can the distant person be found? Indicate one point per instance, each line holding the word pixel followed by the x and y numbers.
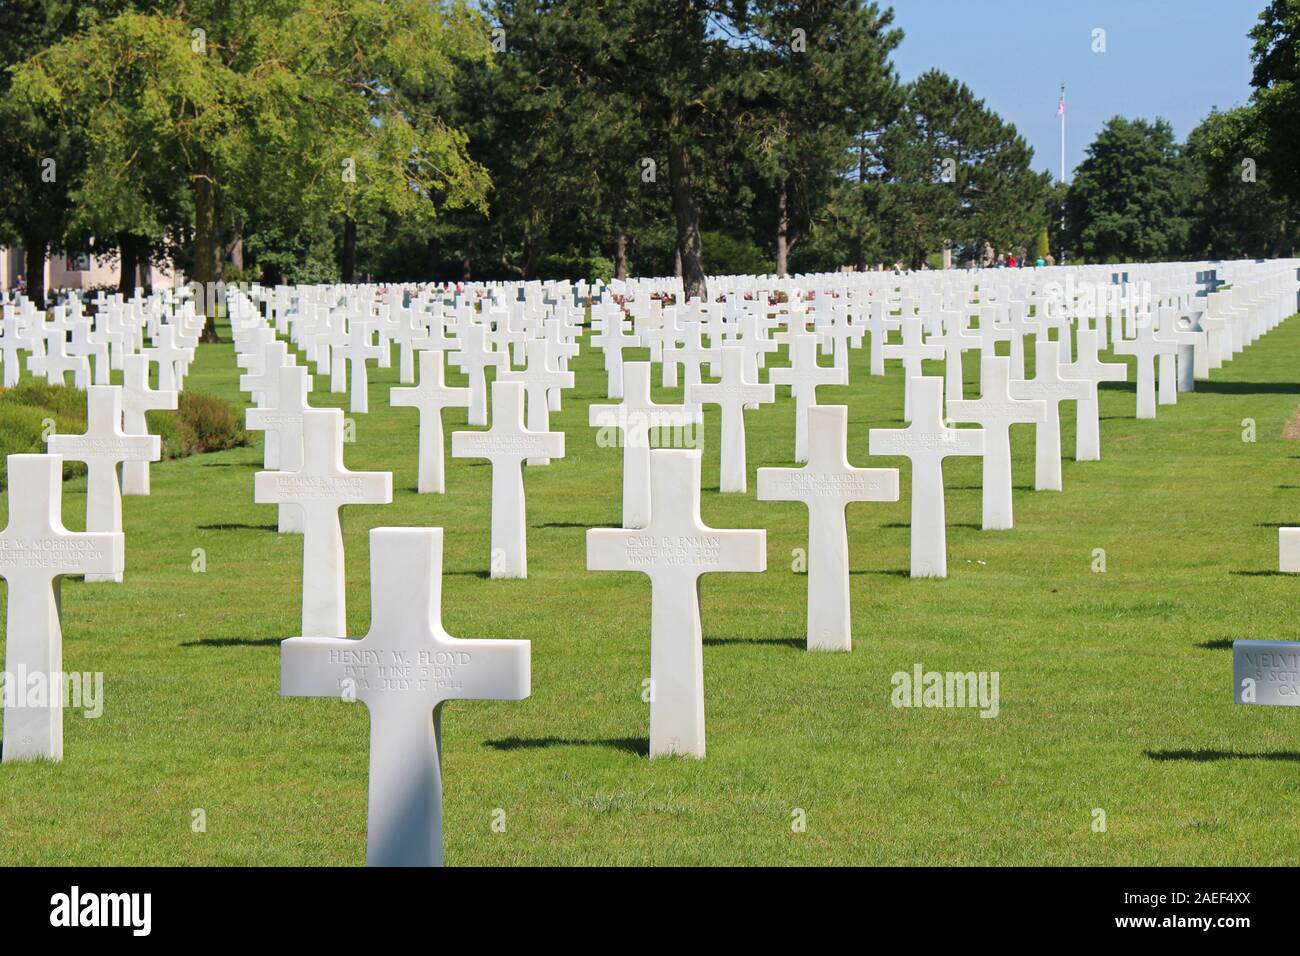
pixel 20 284
pixel 1011 261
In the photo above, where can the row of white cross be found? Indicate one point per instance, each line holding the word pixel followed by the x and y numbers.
pixel 36 549
pixel 408 666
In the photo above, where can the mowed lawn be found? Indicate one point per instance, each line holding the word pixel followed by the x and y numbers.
pixel 1116 687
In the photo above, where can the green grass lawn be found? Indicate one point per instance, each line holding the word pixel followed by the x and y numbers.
pixel 1116 687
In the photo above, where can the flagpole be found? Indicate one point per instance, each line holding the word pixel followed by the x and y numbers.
pixel 1062 111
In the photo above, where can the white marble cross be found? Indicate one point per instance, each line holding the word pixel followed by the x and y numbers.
pixel 104 446
pixel 35 552
pixel 538 378
pixel 1052 386
pixel 691 355
pixel 912 352
pixel 431 396
pixel 138 398
pixel 1144 349
pixel 476 355
pixel 803 376
pixel 732 395
pixel 635 418
pixel 1087 411
pixel 358 349
pixel 826 484
pixel 956 339
pixel 879 323
pixel 1179 363
pixel 996 411
pixel 281 415
pixel 674 550
pixel 404 669
pixel 612 340
pixel 926 442
pixel 506 444
pixel 170 356
pixel 320 487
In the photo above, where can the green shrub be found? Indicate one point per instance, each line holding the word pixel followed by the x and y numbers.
pixel 726 255
pixel 589 267
pixel 202 423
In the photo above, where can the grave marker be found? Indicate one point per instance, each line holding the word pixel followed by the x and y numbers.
pixel 826 485
pixel 926 442
pixel 506 444
pixel 404 670
pixel 674 550
pixel 320 488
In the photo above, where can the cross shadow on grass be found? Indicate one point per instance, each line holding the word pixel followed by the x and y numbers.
pixel 469 574
pixel 234 642
pixel 1221 644
pixel 1261 574
pixel 901 524
pixel 1208 756
pixel 236 526
pixel 889 572
pixel 566 524
pixel 796 642
pixel 632 745
pixel 1248 388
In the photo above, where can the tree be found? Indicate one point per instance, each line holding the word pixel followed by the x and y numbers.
pixel 1236 208
pixel 956 174
pixel 1130 196
pixel 821 77
pixel 239 95
pixel 1275 102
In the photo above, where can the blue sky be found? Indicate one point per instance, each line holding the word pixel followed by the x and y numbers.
pixel 1170 58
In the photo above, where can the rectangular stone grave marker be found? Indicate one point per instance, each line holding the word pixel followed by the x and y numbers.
pixel 1266 672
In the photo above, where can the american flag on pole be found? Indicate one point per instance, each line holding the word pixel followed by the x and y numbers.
pixel 1060 107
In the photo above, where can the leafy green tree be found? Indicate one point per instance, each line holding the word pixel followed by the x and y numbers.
pixel 1236 210
pixel 1130 196
pixel 235 95
pixel 820 77
pixel 1275 102
pixel 956 174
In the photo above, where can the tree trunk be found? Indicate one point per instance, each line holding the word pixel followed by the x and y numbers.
pixel 782 228
pixel 620 256
pixel 35 248
pixel 432 249
pixel 128 250
pixel 206 242
pixel 466 268
pixel 235 250
pixel 348 265
pixel 687 216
